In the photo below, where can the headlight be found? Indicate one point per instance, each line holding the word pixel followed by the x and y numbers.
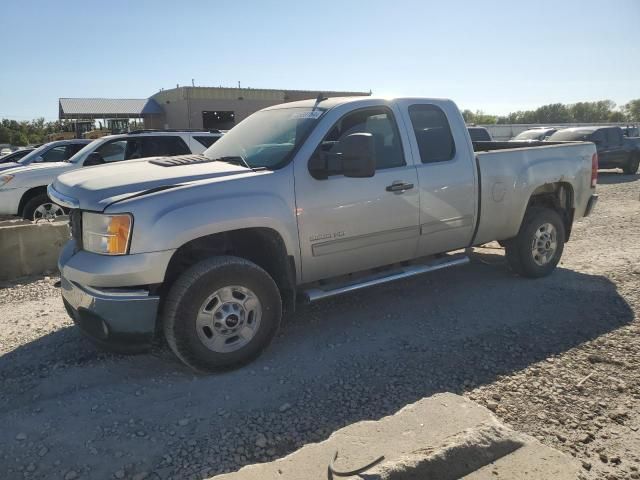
pixel 4 179
pixel 106 234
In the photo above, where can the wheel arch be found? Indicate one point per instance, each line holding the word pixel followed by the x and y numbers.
pixel 28 195
pixel 263 246
pixel 558 196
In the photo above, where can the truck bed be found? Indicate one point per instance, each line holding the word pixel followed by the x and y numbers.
pixel 489 146
pixel 510 172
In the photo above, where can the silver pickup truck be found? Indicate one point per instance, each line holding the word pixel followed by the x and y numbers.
pixel 299 202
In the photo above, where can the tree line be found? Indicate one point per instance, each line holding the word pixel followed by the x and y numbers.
pixel 36 131
pixel 581 112
pixel 27 132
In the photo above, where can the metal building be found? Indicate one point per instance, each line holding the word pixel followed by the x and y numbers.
pixel 186 107
pixel 221 108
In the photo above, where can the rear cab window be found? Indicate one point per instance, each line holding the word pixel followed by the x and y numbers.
pixel 432 132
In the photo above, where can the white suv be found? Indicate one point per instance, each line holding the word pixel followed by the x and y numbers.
pixel 23 190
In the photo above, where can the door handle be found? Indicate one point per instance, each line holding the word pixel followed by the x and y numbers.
pixel 399 186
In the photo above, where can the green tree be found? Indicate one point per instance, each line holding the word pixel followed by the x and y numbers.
pixel 19 139
pixel 632 110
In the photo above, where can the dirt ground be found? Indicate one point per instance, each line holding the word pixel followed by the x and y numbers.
pixel 558 358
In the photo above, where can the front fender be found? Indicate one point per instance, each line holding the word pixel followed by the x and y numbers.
pixel 168 219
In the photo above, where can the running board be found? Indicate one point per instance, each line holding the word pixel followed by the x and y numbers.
pixel 314 294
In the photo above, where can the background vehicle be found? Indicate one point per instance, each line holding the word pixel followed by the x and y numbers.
pixel 5 151
pixel 48 153
pixel 15 156
pixel 534 134
pixel 23 189
pixel 479 134
pixel 630 131
pixel 303 201
pixel 614 149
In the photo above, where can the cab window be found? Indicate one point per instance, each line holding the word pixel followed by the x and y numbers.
pixel 379 122
pixel 433 133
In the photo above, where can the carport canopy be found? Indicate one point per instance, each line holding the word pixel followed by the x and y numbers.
pixel 93 108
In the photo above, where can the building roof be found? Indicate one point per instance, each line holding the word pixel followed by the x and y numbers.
pixel 107 107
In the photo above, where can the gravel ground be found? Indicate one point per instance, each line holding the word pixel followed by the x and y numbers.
pixel 557 358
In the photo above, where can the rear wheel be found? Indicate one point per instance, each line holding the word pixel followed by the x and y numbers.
pixel 632 165
pixel 537 249
pixel 221 313
pixel 41 207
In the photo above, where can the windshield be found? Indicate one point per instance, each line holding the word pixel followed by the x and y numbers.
pixel 266 138
pixel 29 158
pixel 570 135
pixel 531 135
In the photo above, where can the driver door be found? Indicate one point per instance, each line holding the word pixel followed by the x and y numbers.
pixel 350 224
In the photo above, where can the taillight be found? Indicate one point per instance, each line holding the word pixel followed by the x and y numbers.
pixel 594 170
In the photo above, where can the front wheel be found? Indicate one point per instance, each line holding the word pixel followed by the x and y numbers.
pixel 632 165
pixel 221 313
pixel 537 249
pixel 41 207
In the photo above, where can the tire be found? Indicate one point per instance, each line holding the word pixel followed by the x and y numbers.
pixel 208 323
pixel 632 165
pixel 41 207
pixel 544 227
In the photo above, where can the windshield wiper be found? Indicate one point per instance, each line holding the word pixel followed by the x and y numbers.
pixel 235 160
pixel 238 160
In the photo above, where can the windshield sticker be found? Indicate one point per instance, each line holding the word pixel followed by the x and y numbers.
pixel 314 114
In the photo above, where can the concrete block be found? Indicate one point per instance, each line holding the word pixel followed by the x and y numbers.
pixel 30 248
pixel 443 437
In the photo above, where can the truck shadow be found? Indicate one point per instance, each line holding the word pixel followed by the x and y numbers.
pixel 615 177
pixel 339 361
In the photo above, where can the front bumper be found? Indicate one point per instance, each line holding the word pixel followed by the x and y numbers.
pixel 591 204
pixel 97 294
pixel 118 318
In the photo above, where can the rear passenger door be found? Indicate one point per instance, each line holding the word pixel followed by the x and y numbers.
pixel 446 175
pixel 615 147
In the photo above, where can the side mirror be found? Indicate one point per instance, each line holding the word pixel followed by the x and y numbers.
pixel 38 159
pixel 94 158
pixel 354 157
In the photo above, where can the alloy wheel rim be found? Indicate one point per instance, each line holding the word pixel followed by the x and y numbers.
pixel 229 319
pixel 544 244
pixel 47 211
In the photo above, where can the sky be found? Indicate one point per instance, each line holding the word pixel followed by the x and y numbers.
pixel 491 55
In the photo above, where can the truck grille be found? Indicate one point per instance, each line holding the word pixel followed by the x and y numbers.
pixel 75 222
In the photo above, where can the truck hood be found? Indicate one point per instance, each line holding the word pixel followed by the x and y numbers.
pixel 95 188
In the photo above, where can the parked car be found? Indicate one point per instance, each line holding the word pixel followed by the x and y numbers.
pixel 614 149
pixel 5 151
pixel 23 189
pixel 630 131
pixel 479 134
pixel 303 200
pixel 15 156
pixel 48 153
pixel 534 134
